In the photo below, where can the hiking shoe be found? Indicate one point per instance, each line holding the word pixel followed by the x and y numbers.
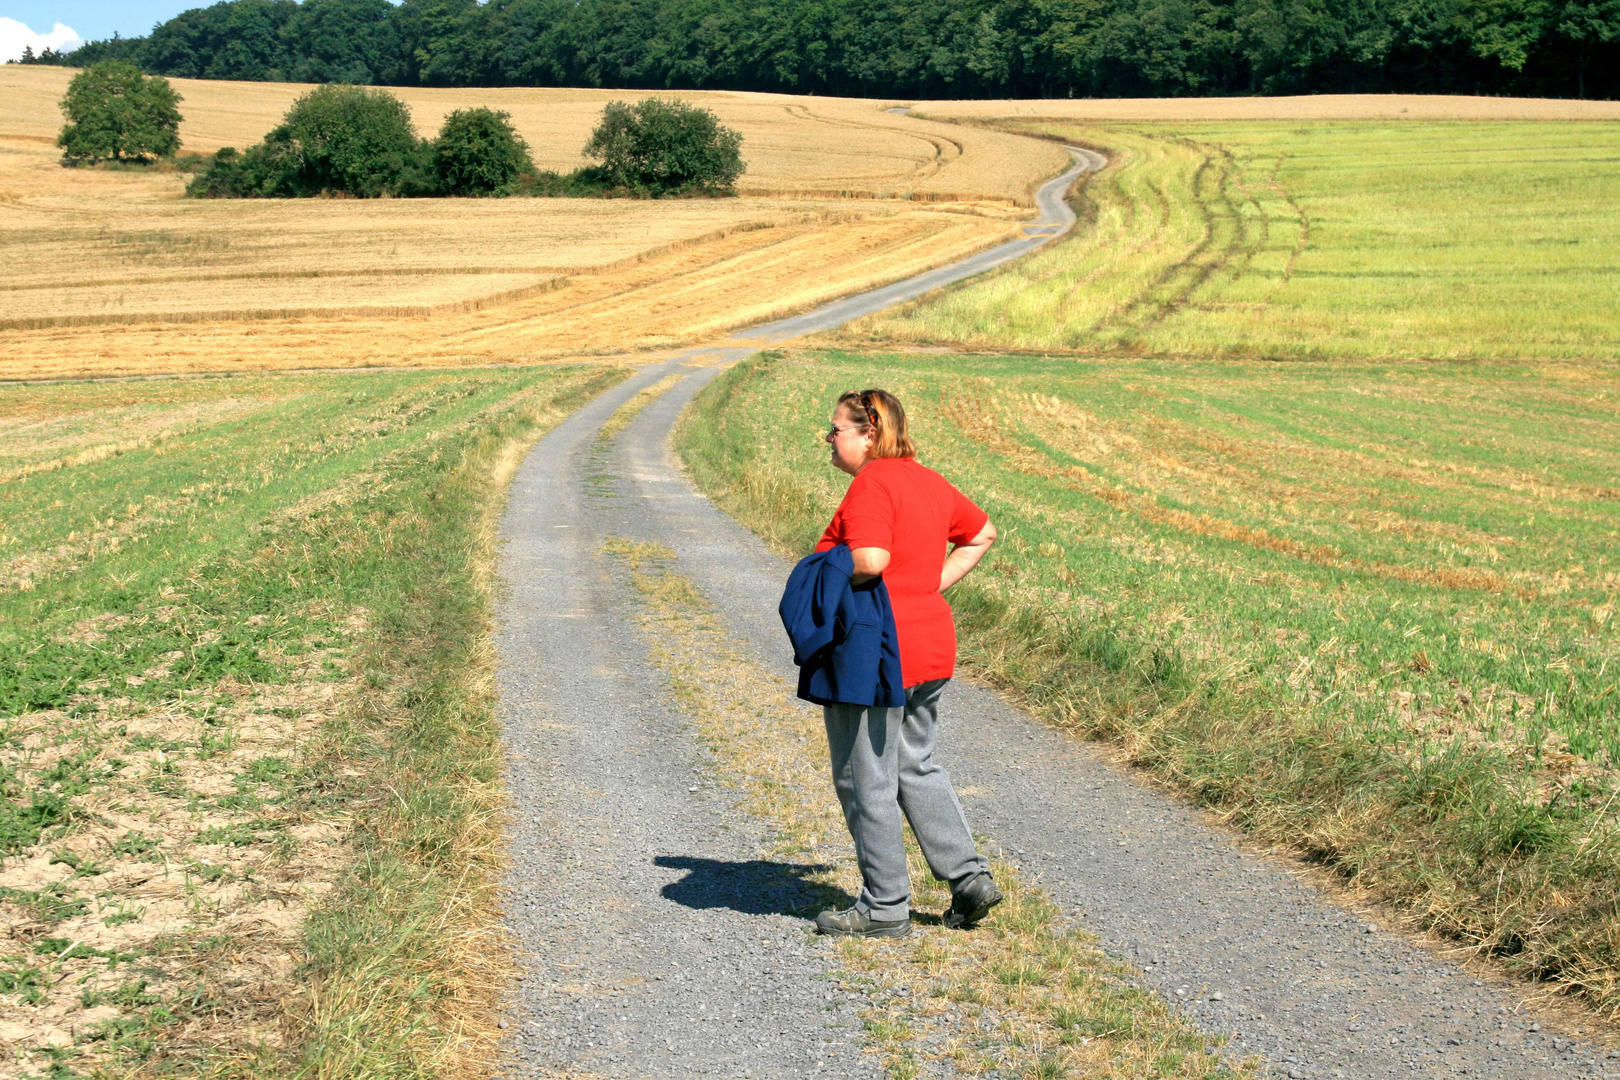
pixel 972 900
pixel 858 923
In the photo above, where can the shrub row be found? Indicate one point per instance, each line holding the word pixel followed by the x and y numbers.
pixel 358 141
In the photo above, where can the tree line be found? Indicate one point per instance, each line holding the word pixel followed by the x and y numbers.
pixel 911 48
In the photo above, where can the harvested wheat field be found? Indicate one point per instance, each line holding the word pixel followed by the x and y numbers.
pixel 849 147
pixel 840 196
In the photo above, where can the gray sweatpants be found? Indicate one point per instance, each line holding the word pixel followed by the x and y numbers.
pixel 883 764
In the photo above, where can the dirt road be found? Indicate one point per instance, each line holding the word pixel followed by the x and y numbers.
pixel 656 941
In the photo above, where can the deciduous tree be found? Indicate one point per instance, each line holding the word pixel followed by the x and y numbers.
pixel 659 147
pixel 478 153
pixel 114 112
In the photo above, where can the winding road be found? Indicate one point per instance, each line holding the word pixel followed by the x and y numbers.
pixel 657 943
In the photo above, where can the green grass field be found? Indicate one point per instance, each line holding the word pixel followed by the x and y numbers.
pixel 1367 609
pixel 1330 240
pixel 232 612
pixel 1308 477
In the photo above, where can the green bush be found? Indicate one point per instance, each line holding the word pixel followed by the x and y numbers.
pixel 116 113
pixel 235 174
pixel 478 153
pixel 586 183
pixel 346 140
pixel 658 147
pixel 351 140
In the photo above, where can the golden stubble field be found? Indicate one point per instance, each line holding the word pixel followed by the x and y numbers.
pixel 114 272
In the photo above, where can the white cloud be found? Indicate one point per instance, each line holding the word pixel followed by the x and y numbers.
pixel 14 35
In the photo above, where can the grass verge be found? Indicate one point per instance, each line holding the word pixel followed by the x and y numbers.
pixel 251 766
pixel 1026 994
pixel 1364 613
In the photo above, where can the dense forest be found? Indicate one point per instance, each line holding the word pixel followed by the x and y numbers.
pixel 909 48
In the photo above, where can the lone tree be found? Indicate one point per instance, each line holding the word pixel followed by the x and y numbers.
pixel 114 112
pixel 658 147
pixel 478 153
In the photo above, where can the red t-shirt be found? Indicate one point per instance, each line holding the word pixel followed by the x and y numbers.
pixel 913 513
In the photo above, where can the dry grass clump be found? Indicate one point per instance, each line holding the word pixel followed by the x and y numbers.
pixel 631 409
pixel 1026 994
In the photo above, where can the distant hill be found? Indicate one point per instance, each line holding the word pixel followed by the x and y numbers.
pixel 903 48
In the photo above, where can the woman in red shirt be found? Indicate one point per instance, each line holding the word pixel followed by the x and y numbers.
pixel 906 524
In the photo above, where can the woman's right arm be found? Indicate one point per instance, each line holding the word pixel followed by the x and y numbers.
pixel 964 557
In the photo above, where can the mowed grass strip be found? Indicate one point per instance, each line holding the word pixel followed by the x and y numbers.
pixel 1026 994
pixel 1366 611
pixel 251 776
pixel 1290 239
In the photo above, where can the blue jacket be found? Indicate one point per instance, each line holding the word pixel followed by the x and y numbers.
pixel 843 635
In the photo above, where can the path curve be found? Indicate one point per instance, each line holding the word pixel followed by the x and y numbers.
pixel 656 945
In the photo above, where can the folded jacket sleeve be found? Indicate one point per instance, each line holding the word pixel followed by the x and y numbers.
pixel 810 602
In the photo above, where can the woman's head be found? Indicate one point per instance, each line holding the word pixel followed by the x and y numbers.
pixel 868 424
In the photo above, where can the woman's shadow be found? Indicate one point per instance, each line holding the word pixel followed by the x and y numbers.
pixel 754 887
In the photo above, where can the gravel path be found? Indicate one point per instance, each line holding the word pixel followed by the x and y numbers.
pixel 657 945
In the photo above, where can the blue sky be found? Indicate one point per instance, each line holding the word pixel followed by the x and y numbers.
pixel 94 19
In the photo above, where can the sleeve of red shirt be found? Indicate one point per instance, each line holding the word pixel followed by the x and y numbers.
pixel 829 535
pixel 868 514
pixel 966 518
